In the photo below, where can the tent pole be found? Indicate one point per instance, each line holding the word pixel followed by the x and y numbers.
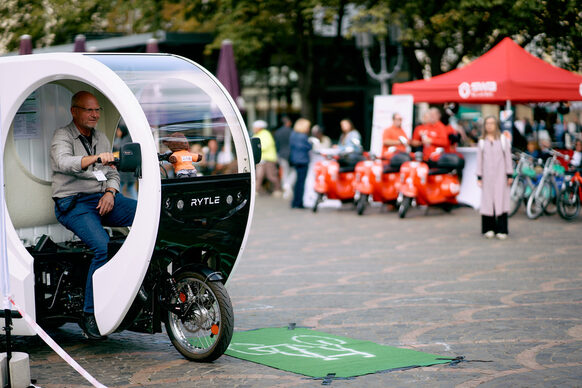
pixel 507 105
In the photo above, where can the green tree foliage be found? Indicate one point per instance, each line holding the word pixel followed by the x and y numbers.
pixel 450 31
pixel 48 22
pixel 267 32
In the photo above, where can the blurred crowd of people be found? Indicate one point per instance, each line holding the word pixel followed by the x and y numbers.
pixel 532 136
pixel 285 155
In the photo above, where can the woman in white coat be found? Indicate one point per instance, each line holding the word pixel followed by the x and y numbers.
pixel 494 176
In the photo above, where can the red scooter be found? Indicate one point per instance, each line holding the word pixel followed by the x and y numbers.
pixel 421 185
pixel 335 176
pixel 378 180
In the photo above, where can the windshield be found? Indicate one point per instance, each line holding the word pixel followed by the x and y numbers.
pixel 186 111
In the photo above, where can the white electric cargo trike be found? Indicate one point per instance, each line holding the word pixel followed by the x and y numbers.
pixel 171 265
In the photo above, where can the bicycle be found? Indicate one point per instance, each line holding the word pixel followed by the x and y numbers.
pixel 544 197
pixel 523 185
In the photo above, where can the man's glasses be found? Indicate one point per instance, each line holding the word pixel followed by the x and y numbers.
pixel 88 110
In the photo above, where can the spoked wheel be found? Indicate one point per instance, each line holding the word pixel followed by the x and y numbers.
pixel 361 204
pixel 552 206
pixel 204 332
pixel 516 195
pixel 318 200
pixel 404 206
pixel 538 200
pixel 569 202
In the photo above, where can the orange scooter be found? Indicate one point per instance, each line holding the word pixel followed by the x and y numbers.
pixel 421 185
pixel 335 176
pixel 378 179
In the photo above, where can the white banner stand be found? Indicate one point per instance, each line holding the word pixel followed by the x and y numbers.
pixel 384 109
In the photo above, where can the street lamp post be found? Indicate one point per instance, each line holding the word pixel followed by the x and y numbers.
pixel 365 41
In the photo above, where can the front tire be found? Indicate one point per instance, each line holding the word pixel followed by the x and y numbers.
pixel 538 200
pixel 361 204
pixel 552 205
pixel 205 331
pixel 404 206
pixel 318 200
pixel 569 202
pixel 516 195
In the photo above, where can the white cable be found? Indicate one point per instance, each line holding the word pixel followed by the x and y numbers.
pixel 54 346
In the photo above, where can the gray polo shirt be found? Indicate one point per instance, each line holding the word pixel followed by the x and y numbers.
pixel 67 150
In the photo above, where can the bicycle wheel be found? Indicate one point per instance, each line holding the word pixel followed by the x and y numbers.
pixel 516 195
pixel 569 202
pixel 204 332
pixel 538 200
pixel 552 205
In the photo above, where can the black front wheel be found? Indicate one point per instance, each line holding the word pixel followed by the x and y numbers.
pixel 361 204
pixel 569 202
pixel 404 206
pixel 204 332
pixel 516 194
pixel 318 200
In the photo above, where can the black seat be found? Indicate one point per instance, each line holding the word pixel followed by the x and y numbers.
pixel 388 169
pixel 348 162
pixel 451 162
pixel 395 162
pixel 438 171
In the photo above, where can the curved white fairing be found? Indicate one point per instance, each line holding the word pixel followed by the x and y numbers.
pixel 116 283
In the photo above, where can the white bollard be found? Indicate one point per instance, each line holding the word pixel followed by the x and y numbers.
pixel 3 370
pixel 19 370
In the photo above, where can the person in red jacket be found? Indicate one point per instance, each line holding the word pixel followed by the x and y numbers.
pixel 432 134
pixel 391 136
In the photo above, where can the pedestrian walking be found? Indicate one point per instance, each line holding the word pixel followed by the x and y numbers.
pixel 267 168
pixel 299 158
pixel 494 176
pixel 282 135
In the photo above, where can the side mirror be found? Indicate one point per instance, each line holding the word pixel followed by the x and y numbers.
pixel 257 150
pixel 130 159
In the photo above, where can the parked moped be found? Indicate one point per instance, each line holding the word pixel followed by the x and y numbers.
pixel 437 186
pixel 335 176
pixel 377 179
pixel 171 266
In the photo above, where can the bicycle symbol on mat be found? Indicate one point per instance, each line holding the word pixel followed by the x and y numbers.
pixel 309 346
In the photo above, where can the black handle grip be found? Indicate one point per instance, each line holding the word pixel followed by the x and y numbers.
pixel 115 161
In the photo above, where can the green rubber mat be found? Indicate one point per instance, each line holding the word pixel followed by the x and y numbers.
pixel 317 354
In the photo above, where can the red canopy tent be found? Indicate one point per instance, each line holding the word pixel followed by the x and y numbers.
pixel 505 73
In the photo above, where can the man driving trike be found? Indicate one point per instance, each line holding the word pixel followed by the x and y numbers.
pixel 86 189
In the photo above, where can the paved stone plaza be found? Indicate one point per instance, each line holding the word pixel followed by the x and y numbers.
pixel 429 282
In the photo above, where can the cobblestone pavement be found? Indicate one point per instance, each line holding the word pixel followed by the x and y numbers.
pixel 429 282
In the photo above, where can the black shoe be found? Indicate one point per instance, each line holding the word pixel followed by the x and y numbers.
pixel 90 329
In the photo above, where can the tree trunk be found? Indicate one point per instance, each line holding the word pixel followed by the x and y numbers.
pixel 306 67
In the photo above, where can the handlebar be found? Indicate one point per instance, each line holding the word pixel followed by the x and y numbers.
pixel 559 154
pixel 114 163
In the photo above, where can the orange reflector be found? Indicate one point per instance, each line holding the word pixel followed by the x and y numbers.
pixel 182 297
pixel 214 329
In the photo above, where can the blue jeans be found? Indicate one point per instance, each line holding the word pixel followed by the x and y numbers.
pixel 84 220
pixel 299 188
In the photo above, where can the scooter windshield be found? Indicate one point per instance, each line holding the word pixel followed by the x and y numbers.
pixel 186 109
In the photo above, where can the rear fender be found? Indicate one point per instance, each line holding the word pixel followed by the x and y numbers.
pixel 209 274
